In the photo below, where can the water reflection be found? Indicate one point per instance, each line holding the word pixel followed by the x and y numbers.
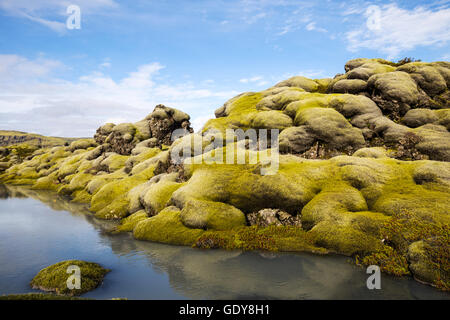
pixel 151 270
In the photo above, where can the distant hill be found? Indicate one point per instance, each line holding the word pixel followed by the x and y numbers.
pixel 8 138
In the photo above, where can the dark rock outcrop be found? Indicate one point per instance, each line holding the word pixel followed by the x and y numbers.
pixel 157 128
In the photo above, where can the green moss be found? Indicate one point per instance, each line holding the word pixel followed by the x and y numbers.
pixel 308 100
pixel 82 196
pixel 300 82
pixel 239 113
pixel 47 183
pixel 115 162
pixel 211 215
pixel 99 181
pixel 389 261
pixel 376 152
pixel 54 278
pixel 271 120
pixel 145 155
pixel 329 125
pixel 22 150
pixel 430 259
pixel 82 144
pixel 27 173
pixel 158 195
pixel 344 239
pixel 111 201
pixel 444 117
pixel 353 86
pixel 166 227
pixel 38 296
pixel 243 186
pixel 428 201
pixel 414 245
pixel 130 222
pixel 245 104
pixel 323 84
pixel 21 182
pixel 396 85
pixel 280 100
pixel 271 238
pixel 69 166
pixel 77 183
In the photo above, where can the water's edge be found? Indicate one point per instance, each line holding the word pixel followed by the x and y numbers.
pixel 34 233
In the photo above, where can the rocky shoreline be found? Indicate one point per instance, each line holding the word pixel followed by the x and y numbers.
pixel 364 171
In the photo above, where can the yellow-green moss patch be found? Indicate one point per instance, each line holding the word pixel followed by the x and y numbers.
pixel 54 278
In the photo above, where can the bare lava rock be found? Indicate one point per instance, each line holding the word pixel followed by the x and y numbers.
pixel 267 217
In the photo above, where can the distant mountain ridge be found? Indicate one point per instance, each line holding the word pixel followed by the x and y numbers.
pixel 8 138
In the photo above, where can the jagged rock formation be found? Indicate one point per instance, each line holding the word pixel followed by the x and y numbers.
pixel 154 131
pixel 364 171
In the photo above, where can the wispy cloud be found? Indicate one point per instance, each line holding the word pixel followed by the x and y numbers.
pixel 312 27
pixel 258 80
pixel 52 13
pixel 398 30
pixel 19 68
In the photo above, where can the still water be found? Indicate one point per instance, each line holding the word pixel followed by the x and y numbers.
pixel 38 229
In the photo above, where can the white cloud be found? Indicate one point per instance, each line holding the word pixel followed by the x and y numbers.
pixel 44 103
pixel 312 27
pixel 310 73
pixel 57 26
pixel 198 122
pixel 14 66
pixel 105 64
pixel 52 13
pixel 254 79
pixel 54 5
pixel 259 80
pixel 397 30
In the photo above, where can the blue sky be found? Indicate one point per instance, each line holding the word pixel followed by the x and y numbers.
pixel 193 55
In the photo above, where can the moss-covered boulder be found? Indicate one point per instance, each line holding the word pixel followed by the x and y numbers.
pixel 300 82
pixel 201 214
pixel 130 222
pixel 429 261
pixel 349 86
pixel 166 227
pixel 82 144
pixel 54 278
pixel 418 117
pixel 159 125
pixel 271 120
